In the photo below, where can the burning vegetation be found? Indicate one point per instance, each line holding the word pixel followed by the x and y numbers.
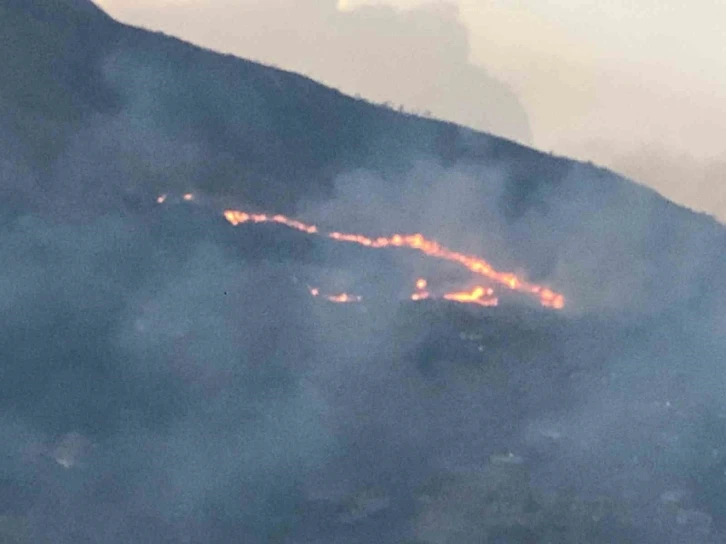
pixel 483 295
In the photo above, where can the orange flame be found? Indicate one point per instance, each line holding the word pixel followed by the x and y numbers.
pixel 342 298
pixel 421 292
pixel 547 297
pixel 236 217
pixel 479 295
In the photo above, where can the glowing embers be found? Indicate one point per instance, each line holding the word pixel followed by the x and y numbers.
pixel 341 298
pixel 421 290
pixel 481 295
pixel 417 242
pixel 186 197
pixel 236 217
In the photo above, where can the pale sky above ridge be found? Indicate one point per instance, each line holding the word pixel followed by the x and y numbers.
pixel 638 85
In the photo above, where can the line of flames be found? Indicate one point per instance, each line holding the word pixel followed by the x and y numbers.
pixel 483 296
pixel 478 295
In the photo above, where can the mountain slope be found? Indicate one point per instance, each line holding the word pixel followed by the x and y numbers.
pixel 94 113
pixel 284 127
pixel 165 377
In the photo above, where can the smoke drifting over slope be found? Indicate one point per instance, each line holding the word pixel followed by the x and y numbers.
pixel 168 378
pixel 164 383
pixel 696 182
pixel 161 386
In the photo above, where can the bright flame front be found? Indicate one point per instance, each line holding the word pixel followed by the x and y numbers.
pixel 417 242
pixel 481 295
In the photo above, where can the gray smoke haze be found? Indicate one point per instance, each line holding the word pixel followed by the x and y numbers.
pixel 186 369
pixel 607 243
pixel 167 378
pixel 159 386
pixel 697 183
pixel 644 419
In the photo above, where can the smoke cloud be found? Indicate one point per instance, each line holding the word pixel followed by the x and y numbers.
pixel 168 378
pixel 163 384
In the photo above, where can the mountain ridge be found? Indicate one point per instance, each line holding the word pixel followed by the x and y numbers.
pixel 48 8
pixel 98 113
pixel 167 377
pixel 465 144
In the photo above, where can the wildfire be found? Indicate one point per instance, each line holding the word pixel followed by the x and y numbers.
pixel 421 292
pixel 342 298
pixel 484 296
pixel 236 217
pixel 547 297
pixel 481 295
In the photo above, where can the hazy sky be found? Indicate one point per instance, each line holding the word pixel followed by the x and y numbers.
pixel 638 85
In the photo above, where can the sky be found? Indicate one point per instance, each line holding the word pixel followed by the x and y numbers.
pixel 635 85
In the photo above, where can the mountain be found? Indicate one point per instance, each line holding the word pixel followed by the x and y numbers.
pixel 94 111
pixel 167 377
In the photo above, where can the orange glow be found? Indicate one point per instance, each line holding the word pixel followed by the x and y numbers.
pixel 474 264
pixel 546 297
pixel 342 298
pixel 236 217
pixel 479 295
pixel 421 292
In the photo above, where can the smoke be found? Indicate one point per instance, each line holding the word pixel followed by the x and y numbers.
pixel 185 369
pixel 606 243
pixel 168 378
pixel 694 182
pixel 635 365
